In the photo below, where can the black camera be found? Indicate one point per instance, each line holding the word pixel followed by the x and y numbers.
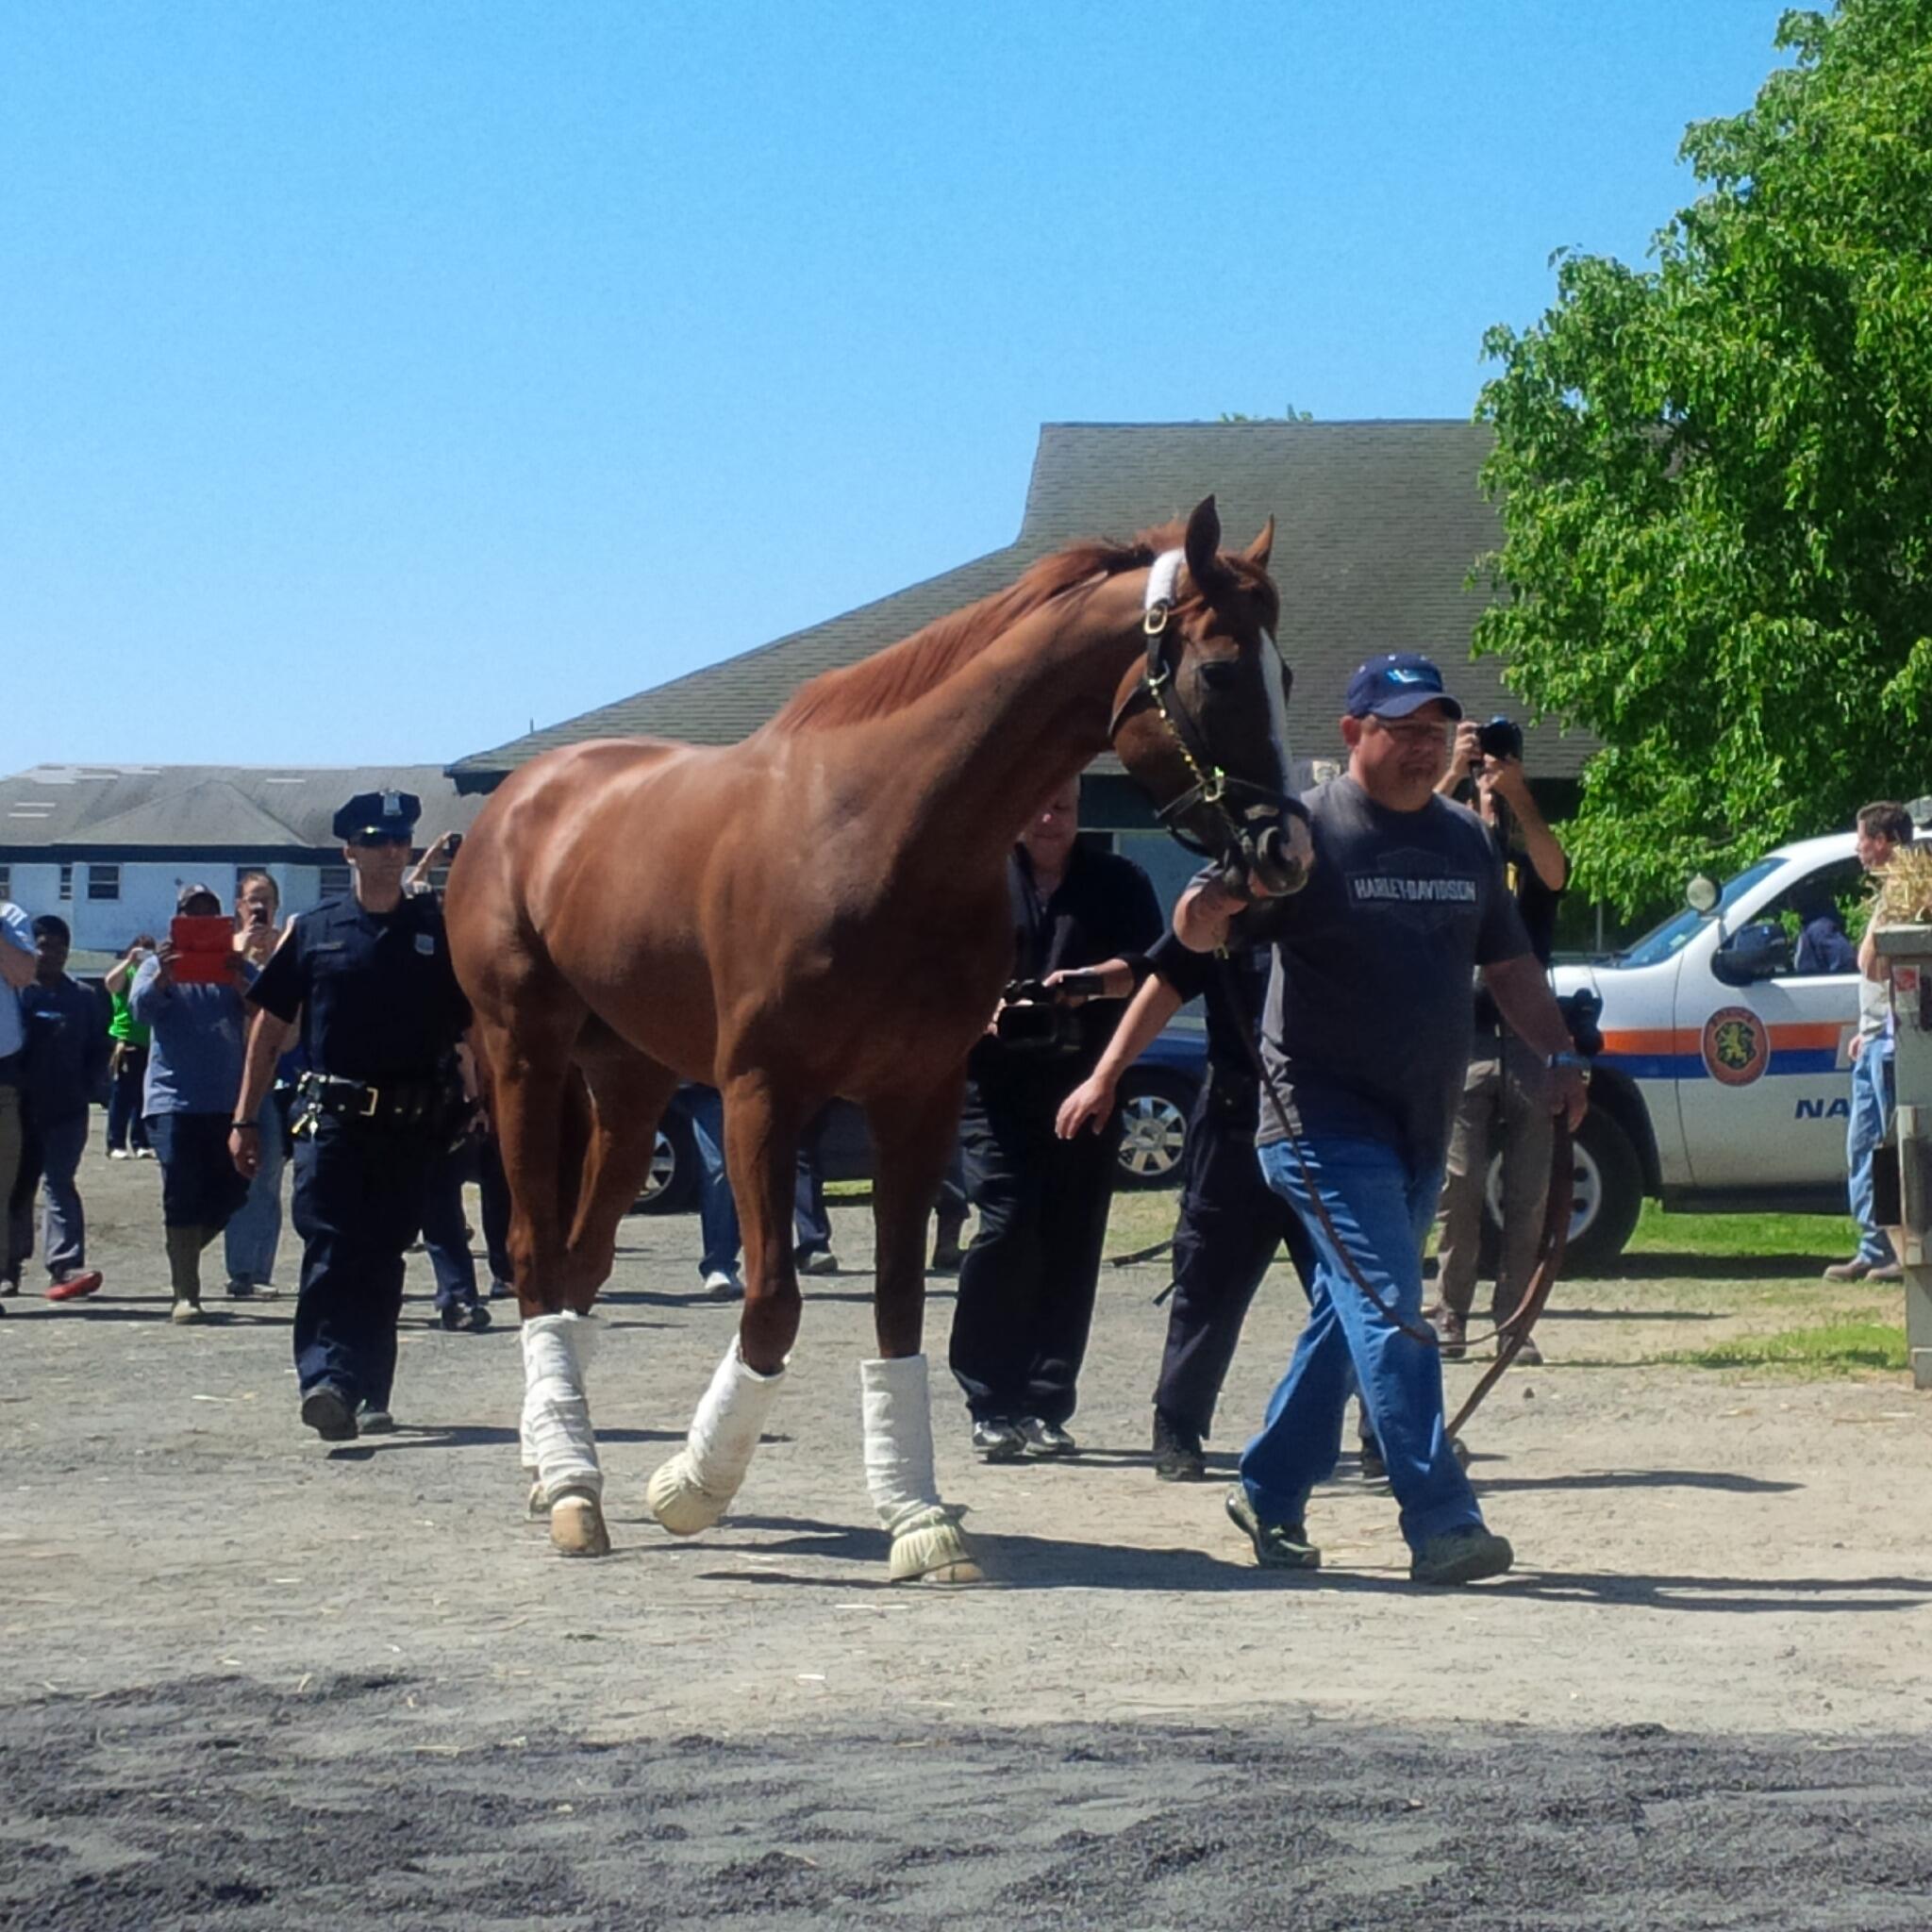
pixel 1501 738
pixel 1032 1020
pixel 1579 1010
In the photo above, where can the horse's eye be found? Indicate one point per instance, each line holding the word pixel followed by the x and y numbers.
pixel 1219 674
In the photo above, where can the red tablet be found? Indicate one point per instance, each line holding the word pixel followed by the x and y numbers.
pixel 203 944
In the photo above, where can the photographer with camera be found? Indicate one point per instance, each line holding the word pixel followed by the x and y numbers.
pixel 1028 1282
pixel 1505 1095
pixel 254 1232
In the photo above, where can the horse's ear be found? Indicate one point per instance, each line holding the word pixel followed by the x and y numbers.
pixel 1259 550
pixel 1204 548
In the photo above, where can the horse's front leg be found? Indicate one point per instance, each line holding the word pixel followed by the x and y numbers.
pixel 695 1487
pixel 914 1140
pixel 537 1105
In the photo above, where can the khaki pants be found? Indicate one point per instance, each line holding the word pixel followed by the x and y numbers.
pixel 1505 1107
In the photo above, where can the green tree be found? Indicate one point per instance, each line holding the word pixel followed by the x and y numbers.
pixel 1716 477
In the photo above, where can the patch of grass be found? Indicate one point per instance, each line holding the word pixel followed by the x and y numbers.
pixel 1759 1236
pixel 1834 1348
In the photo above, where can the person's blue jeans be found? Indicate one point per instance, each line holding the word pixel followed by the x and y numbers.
pixel 1381 1209
pixel 717 1209
pixel 255 1231
pixel 1864 1135
pixel 50 1159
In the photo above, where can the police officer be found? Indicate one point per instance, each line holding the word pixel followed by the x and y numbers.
pixel 1231 1222
pixel 380 1013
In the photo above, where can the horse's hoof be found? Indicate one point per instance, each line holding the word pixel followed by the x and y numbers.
pixel 576 1527
pixel 678 1502
pixel 933 1549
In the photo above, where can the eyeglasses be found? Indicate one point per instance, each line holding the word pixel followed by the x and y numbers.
pixel 1412 730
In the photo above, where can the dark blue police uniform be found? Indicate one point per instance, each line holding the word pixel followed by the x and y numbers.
pixel 381 1016
pixel 1231 1220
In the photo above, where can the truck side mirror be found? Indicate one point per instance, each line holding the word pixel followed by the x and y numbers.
pixel 1755 951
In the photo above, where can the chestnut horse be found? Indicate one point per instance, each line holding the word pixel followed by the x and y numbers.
pixel 822 911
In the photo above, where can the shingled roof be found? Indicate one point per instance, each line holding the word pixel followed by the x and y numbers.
pixel 54 810
pixel 1378 524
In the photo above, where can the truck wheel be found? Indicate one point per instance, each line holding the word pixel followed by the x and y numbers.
pixel 1609 1195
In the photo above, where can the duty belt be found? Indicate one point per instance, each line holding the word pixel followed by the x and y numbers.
pixel 430 1104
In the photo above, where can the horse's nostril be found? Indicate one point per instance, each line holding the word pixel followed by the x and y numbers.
pixel 1219 675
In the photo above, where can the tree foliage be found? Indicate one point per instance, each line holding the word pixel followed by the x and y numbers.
pixel 1716 477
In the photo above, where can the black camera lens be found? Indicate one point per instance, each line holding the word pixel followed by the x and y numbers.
pixel 1501 738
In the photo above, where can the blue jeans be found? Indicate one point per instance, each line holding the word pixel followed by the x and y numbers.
pixel 50 1159
pixel 1381 1209
pixel 718 1209
pixel 255 1231
pixel 1864 1134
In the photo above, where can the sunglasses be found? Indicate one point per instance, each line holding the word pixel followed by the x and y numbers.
pixel 380 840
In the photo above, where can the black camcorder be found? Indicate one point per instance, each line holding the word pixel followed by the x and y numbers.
pixel 1501 738
pixel 1579 1010
pixel 1032 1019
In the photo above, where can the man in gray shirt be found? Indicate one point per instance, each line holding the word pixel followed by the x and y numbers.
pixel 1366 1037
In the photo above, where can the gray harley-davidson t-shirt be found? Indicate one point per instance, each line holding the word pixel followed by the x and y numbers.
pixel 1368 1019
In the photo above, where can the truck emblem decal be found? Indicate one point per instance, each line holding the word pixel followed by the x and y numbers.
pixel 1737 1046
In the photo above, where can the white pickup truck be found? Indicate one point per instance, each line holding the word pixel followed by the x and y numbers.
pixel 1724 1083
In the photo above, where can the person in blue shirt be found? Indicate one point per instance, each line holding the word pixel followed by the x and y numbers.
pixel 369 978
pixel 194 1065
pixel 64 1059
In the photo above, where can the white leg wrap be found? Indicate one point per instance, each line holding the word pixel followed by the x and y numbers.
pixel 896 1398
pixel 695 1487
pixel 558 1349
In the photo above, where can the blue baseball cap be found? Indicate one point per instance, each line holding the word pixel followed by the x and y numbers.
pixel 1396 684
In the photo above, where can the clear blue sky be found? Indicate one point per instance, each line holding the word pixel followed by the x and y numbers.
pixel 379 378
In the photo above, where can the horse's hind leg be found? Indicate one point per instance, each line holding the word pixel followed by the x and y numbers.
pixel 537 1104
pixel 914 1139
pixel 695 1487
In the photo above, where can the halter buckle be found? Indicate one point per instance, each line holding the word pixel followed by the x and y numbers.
pixel 1156 620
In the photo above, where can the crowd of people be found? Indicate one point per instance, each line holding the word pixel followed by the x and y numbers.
pixel 1372 1042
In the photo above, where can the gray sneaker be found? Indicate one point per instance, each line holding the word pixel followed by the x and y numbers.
pixel 1047 1438
pixel 1461 1556
pixel 1277 1545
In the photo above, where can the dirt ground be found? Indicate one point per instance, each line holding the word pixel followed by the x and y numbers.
pixel 253 1681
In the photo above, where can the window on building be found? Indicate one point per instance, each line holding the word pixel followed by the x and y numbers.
pixel 67 878
pixel 104 882
pixel 332 881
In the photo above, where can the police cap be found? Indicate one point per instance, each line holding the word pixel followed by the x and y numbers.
pixel 378 815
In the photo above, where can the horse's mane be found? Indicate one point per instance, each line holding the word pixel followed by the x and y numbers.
pixel 893 678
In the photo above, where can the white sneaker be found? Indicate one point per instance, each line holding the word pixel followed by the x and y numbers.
pixel 118 1154
pixel 721 1285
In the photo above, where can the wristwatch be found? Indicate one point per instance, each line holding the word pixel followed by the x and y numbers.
pixel 244 1126
pixel 1568 1064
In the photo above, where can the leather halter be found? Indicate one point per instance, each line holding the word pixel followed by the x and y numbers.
pixel 1235 812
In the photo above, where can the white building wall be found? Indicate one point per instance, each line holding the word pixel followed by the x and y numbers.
pixel 148 889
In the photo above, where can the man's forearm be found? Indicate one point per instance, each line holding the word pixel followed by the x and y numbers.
pixel 267 1037
pixel 1202 919
pixel 16 968
pixel 1545 849
pixel 1150 1009
pixel 1523 998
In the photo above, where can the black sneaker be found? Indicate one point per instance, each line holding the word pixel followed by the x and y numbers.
pixel 464 1317
pixel 1047 1438
pixel 1461 1556
pixel 371 1421
pixel 998 1442
pixel 328 1412
pixel 1178 1454
pixel 1277 1545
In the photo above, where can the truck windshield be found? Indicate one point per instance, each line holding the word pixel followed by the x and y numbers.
pixel 1666 941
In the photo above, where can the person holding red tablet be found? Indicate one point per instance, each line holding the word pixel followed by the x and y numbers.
pixel 195 1066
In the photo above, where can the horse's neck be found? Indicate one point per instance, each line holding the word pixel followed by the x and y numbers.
pixel 979 752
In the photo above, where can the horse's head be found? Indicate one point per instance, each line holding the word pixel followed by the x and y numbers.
pixel 1202 722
